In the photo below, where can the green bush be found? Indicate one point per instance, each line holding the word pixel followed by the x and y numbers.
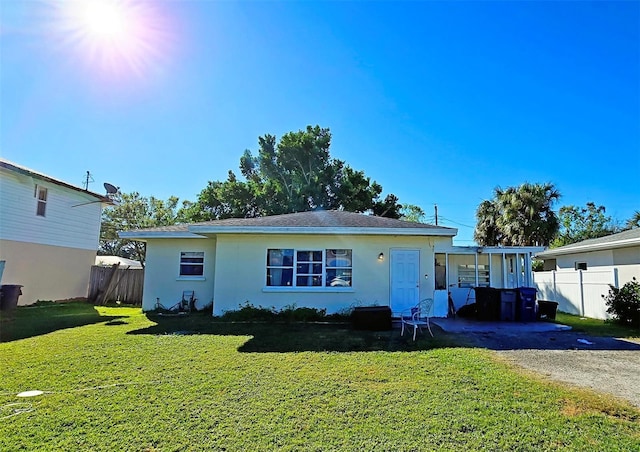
pixel 624 304
pixel 292 313
pixel 248 312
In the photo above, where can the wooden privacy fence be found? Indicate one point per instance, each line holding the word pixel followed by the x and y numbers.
pixel 116 283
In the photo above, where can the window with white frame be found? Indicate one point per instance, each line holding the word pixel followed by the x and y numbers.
pixel 192 263
pixel 338 268
pixel 467 275
pixel 41 196
pixel 309 268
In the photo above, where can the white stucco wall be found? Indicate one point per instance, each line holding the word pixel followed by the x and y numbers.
pixel 162 272
pixel 46 272
pixel 241 271
pixel 593 259
pixel 627 261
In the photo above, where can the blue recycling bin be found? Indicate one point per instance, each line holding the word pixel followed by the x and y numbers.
pixel 526 308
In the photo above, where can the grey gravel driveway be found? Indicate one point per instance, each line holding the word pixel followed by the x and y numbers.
pixel 603 364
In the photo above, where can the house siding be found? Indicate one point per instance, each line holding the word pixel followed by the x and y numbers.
pixel 46 272
pixel 162 272
pixel 593 259
pixel 241 271
pixel 235 271
pixel 627 261
pixel 65 224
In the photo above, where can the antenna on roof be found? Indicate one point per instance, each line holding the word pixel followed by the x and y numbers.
pixel 87 179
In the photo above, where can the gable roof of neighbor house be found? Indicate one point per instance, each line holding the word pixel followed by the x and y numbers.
pixel 619 240
pixel 315 222
pixel 6 164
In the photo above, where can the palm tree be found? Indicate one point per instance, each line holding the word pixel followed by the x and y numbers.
pixel 518 216
pixel 634 221
pixel 487 232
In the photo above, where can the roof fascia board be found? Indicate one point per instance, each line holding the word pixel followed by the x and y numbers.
pixel 321 230
pixel 488 249
pixel 159 235
pixel 589 247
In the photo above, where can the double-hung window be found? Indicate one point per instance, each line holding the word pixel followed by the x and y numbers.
pixel 41 195
pixel 192 263
pixel 309 268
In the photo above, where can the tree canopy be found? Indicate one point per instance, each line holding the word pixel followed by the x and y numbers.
pixel 412 212
pixel 293 174
pixel 132 211
pixel 518 216
pixel 582 223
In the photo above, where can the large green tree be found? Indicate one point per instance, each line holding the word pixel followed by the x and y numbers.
pixel 293 174
pixel 412 212
pixel 582 223
pixel 132 211
pixel 518 216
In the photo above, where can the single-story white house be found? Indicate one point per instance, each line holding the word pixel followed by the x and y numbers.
pixel 322 259
pixel 577 275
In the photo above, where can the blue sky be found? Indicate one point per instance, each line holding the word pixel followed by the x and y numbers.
pixel 439 102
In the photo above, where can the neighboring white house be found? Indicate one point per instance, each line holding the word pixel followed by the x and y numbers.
pixel 108 261
pixel 577 275
pixel 49 232
pixel 321 259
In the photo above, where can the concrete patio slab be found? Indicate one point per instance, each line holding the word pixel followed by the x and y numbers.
pixel 509 328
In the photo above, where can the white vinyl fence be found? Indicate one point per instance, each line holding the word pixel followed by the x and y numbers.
pixel 577 291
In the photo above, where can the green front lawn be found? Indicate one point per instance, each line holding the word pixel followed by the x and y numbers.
pixel 595 327
pixel 129 382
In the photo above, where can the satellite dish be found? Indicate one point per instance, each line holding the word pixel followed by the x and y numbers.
pixel 111 190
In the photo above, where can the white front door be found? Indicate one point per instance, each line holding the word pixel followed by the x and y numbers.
pixel 405 279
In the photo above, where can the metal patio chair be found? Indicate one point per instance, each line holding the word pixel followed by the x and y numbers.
pixel 417 317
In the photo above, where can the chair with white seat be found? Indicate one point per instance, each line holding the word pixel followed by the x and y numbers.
pixel 417 317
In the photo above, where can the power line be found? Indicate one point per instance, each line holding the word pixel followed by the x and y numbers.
pixel 458 223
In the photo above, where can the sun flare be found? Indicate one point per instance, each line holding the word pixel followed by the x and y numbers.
pixel 116 37
pixel 104 20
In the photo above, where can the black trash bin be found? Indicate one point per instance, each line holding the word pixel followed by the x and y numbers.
pixel 9 294
pixel 547 309
pixel 526 309
pixel 487 303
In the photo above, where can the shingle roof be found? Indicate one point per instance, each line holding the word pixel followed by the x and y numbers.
pixel 301 222
pixel 630 237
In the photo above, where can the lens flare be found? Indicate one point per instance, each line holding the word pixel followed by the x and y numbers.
pixel 114 37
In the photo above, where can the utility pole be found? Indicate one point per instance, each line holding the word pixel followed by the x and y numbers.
pixel 436 209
